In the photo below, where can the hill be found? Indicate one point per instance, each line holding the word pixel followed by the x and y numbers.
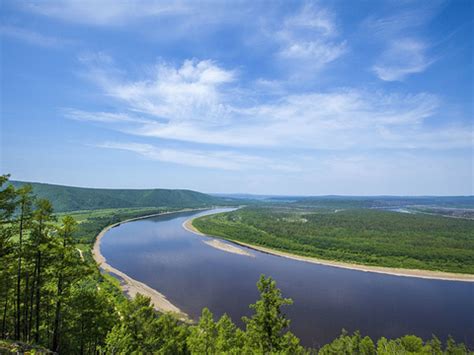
pixel 68 198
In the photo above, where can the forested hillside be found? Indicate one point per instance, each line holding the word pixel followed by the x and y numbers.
pixel 67 198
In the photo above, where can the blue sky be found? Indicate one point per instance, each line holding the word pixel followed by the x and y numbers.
pixel 272 97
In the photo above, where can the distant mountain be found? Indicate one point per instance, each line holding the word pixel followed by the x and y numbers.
pixel 68 198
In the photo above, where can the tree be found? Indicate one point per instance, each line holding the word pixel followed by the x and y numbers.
pixel 89 316
pixel 202 339
pixel 66 272
pixel 412 343
pixel 229 338
pixel 172 335
pixel 25 202
pixel 7 208
pixel 366 346
pixel 265 330
pixel 454 349
pixel 42 217
pixel 137 331
pixel 349 344
pixel 436 346
pixel 7 199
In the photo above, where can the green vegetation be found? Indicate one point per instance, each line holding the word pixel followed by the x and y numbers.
pixel 67 198
pixel 466 202
pixel 92 222
pixel 49 296
pixel 363 236
pixel 53 299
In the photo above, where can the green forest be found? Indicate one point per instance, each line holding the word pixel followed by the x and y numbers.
pixel 53 297
pixel 68 198
pixel 354 235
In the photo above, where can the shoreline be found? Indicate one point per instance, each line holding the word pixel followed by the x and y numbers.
pixel 131 286
pixel 416 273
pixel 216 242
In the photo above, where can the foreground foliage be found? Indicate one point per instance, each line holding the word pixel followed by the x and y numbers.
pixel 363 236
pixel 53 298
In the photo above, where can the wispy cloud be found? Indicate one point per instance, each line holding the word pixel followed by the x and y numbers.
pixel 405 51
pixel 402 58
pixel 193 90
pixel 311 36
pixel 105 12
pixel 201 102
pixel 103 117
pixel 32 37
pixel 184 15
pixel 226 160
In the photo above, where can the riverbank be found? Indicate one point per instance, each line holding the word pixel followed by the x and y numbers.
pixel 216 243
pixel 423 274
pixel 132 287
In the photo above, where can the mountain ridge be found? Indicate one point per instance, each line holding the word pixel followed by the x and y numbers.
pixel 70 198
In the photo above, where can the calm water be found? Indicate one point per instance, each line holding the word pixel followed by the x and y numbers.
pixel 193 275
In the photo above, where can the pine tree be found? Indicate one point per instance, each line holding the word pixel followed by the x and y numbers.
pixel 25 202
pixel 66 268
pixel 7 208
pixel 265 330
pixel 42 218
pixel 229 339
pixel 202 339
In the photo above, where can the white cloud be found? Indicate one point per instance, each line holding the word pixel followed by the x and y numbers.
pixel 103 117
pixel 398 23
pixel 201 102
pixel 404 50
pixel 104 12
pixel 310 36
pixel 191 91
pixel 318 19
pixel 32 37
pixel 402 58
pixel 318 51
pixel 226 160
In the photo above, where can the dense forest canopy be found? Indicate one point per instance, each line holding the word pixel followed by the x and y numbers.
pixel 363 236
pixel 68 198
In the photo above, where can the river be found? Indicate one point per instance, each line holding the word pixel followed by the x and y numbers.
pixel 191 274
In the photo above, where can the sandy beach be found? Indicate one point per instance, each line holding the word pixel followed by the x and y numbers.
pixel 216 243
pixel 131 286
pixel 424 274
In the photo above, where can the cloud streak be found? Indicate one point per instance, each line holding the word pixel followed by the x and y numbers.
pixel 401 59
pixel 311 37
pixel 32 37
pixel 225 160
pixel 105 12
pixel 201 102
pixel 404 52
